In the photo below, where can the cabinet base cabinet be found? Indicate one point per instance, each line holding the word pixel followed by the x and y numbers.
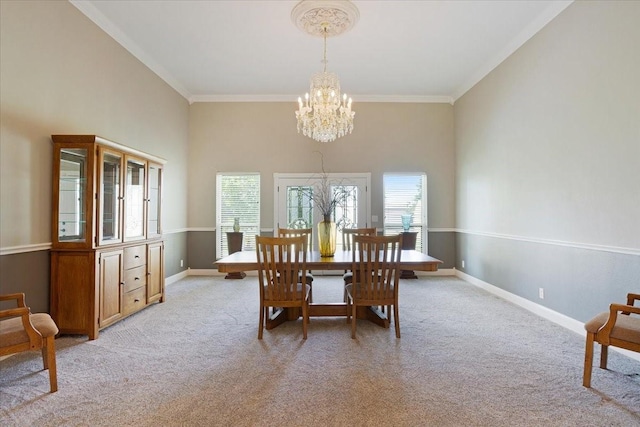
pixel 74 292
pixel 91 290
pixel 111 287
pixel 155 272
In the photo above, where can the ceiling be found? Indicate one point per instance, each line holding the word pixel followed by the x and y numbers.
pixel 250 50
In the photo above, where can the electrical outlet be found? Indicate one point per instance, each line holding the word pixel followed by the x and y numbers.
pixel 462 263
pixel 541 293
pixel 181 263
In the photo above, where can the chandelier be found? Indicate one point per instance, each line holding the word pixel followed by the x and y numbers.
pixel 325 114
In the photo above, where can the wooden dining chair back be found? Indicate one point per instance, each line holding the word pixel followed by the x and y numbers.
pixel 295 232
pixel 281 261
pixel 347 245
pixel 619 327
pixel 348 233
pixel 376 273
pixel 22 331
pixel 307 233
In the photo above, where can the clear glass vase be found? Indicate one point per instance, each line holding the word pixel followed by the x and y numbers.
pixel 406 222
pixel 327 238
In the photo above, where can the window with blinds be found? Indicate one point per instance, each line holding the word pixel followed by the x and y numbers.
pixel 406 194
pixel 237 196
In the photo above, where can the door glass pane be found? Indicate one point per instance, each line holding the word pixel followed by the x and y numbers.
pixel 299 207
pixel 110 197
pixel 71 203
pixel 135 198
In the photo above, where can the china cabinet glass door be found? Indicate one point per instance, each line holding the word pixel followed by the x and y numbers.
pixel 135 197
pixel 110 197
pixel 154 195
pixel 71 195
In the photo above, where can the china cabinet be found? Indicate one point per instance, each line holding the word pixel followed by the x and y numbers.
pixel 107 256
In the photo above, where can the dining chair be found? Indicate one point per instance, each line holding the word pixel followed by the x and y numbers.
pixel 347 244
pixel 22 331
pixel 376 267
pixel 281 261
pixel 296 232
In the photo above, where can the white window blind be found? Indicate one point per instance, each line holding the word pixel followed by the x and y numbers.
pixel 237 196
pixel 406 194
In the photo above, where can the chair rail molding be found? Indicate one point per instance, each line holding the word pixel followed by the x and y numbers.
pixel 577 245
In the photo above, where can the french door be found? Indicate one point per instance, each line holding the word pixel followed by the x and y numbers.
pixel 295 207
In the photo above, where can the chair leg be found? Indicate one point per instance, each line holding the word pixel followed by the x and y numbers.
pixel 305 318
pixel 49 359
pixel 588 360
pixel 263 310
pixel 396 319
pixel 604 355
pixel 353 320
pixel 348 300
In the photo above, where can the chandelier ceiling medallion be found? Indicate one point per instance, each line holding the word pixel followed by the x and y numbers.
pixel 325 115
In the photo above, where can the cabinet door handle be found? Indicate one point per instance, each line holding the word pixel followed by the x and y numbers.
pixel 136 300
pixel 137 278
pixel 136 256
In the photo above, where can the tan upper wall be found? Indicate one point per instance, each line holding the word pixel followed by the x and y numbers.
pixel 548 144
pixel 262 137
pixel 61 74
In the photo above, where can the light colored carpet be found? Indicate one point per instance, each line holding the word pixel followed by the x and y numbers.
pixel 466 358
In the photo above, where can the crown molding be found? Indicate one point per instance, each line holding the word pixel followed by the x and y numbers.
pixel 418 99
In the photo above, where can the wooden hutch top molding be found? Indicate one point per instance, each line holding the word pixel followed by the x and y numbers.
pixel 107 143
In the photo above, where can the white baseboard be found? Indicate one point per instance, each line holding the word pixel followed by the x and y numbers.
pixel 172 279
pixel 439 272
pixel 555 317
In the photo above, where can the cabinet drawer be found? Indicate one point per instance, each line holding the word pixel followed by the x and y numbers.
pixel 135 277
pixel 135 256
pixel 135 300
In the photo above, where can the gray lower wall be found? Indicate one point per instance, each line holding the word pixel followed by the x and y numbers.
pixel 201 247
pixel 27 272
pixel 577 282
pixel 442 245
pixel 175 249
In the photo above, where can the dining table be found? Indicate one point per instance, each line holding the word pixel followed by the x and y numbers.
pixel 341 261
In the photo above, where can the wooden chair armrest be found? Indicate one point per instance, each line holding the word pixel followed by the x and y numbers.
pixel 605 330
pixel 19 297
pixel 14 312
pixel 624 308
pixel 35 337
pixel 631 298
